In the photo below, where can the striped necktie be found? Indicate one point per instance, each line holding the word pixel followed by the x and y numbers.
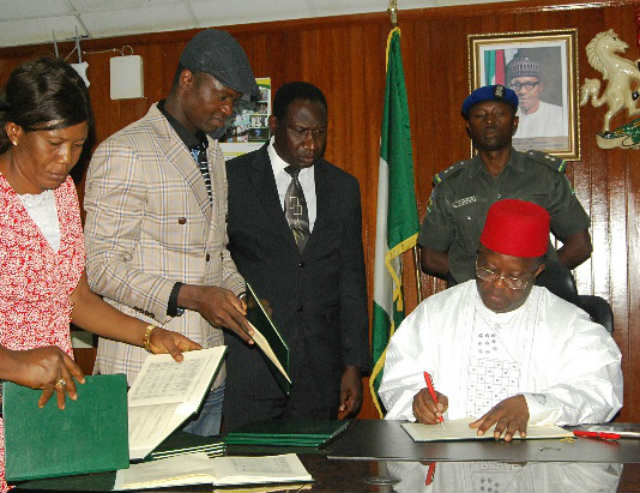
pixel 199 153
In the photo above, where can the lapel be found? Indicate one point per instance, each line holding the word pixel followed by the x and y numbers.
pixel 178 157
pixel 264 184
pixel 323 204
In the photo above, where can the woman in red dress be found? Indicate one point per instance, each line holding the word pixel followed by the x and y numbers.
pixel 46 121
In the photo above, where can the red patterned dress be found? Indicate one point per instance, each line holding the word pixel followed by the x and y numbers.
pixel 36 282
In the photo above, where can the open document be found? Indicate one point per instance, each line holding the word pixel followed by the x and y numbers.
pixel 219 471
pixel 165 393
pixel 268 339
pixel 458 429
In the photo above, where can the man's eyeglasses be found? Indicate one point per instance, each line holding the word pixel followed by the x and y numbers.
pixel 516 86
pixel 517 283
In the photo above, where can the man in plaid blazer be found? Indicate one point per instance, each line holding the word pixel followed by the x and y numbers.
pixel 156 204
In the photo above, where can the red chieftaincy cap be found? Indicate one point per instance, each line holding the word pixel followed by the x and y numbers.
pixel 517 228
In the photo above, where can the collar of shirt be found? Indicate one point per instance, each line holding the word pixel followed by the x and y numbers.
pixel 515 329
pixel 477 167
pixel 507 319
pixel 283 179
pixel 190 139
pixel 278 164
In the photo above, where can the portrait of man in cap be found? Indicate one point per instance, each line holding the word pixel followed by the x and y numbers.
pixel 537 117
pixel 156 224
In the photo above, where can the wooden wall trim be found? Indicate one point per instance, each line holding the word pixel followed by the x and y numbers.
pixel 332 22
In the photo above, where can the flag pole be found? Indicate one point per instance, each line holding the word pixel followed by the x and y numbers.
pixel 393 15
pixel 397 223
pixel 393 12
pixel 416 259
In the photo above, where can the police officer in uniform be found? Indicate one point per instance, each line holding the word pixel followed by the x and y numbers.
pixel 463 193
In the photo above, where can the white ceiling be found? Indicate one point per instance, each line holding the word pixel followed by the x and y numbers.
pixel 24 22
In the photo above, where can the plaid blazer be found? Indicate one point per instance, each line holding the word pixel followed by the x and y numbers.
pixel 149 223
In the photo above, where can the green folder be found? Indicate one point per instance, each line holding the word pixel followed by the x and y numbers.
pixel 89 435
pixel 261 320
pixel 288 432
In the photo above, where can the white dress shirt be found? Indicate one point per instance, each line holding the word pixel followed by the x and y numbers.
pixel 283 179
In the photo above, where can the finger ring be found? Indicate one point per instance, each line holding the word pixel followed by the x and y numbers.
pixel 61 383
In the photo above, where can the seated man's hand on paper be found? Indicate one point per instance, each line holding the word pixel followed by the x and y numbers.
pixel 47 368
pixel 510 416
pixel 426 410
pixel 350 392
pixel 219 306
pixel 167 341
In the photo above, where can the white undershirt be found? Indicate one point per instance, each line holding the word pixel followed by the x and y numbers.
pixel 283 179
pixel 42 209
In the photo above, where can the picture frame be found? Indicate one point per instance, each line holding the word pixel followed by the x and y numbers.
pixel 542 68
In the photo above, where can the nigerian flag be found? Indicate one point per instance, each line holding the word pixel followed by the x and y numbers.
pixel 397 215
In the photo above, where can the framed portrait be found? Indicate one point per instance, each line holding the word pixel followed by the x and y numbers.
pixel 541 67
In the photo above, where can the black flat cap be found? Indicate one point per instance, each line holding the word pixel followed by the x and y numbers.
pixel 217 53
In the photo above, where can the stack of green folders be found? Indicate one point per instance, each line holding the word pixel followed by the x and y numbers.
pixel 183 443
pixel 288 433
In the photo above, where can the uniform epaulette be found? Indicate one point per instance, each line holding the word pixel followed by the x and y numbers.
pixel 555 163
pixel 450 171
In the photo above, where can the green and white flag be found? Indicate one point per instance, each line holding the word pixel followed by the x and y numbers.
pixel 397 214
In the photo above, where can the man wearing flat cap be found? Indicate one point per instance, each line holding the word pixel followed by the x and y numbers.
pixel 156 204
pixel 537 118
pixel 463 193
pixel 500 349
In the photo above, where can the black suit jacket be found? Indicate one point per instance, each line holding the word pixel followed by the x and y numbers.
pixel 318 297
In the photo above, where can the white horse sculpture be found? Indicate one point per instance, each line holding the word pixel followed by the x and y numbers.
pixel 618 71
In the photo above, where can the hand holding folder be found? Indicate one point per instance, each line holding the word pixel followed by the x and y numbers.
pixel 47 368
pixel 268 339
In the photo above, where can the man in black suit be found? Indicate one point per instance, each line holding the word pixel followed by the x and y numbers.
pixel 294 230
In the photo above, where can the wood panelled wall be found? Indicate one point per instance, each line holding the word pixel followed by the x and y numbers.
pixel 345 57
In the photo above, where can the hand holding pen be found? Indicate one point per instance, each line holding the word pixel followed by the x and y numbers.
pixel 429 405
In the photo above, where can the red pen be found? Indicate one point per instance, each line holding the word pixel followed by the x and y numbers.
pixel 432 393
pixel 596 434
pixel 430 473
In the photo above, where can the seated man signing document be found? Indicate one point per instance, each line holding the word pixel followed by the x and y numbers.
pixel 500 349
